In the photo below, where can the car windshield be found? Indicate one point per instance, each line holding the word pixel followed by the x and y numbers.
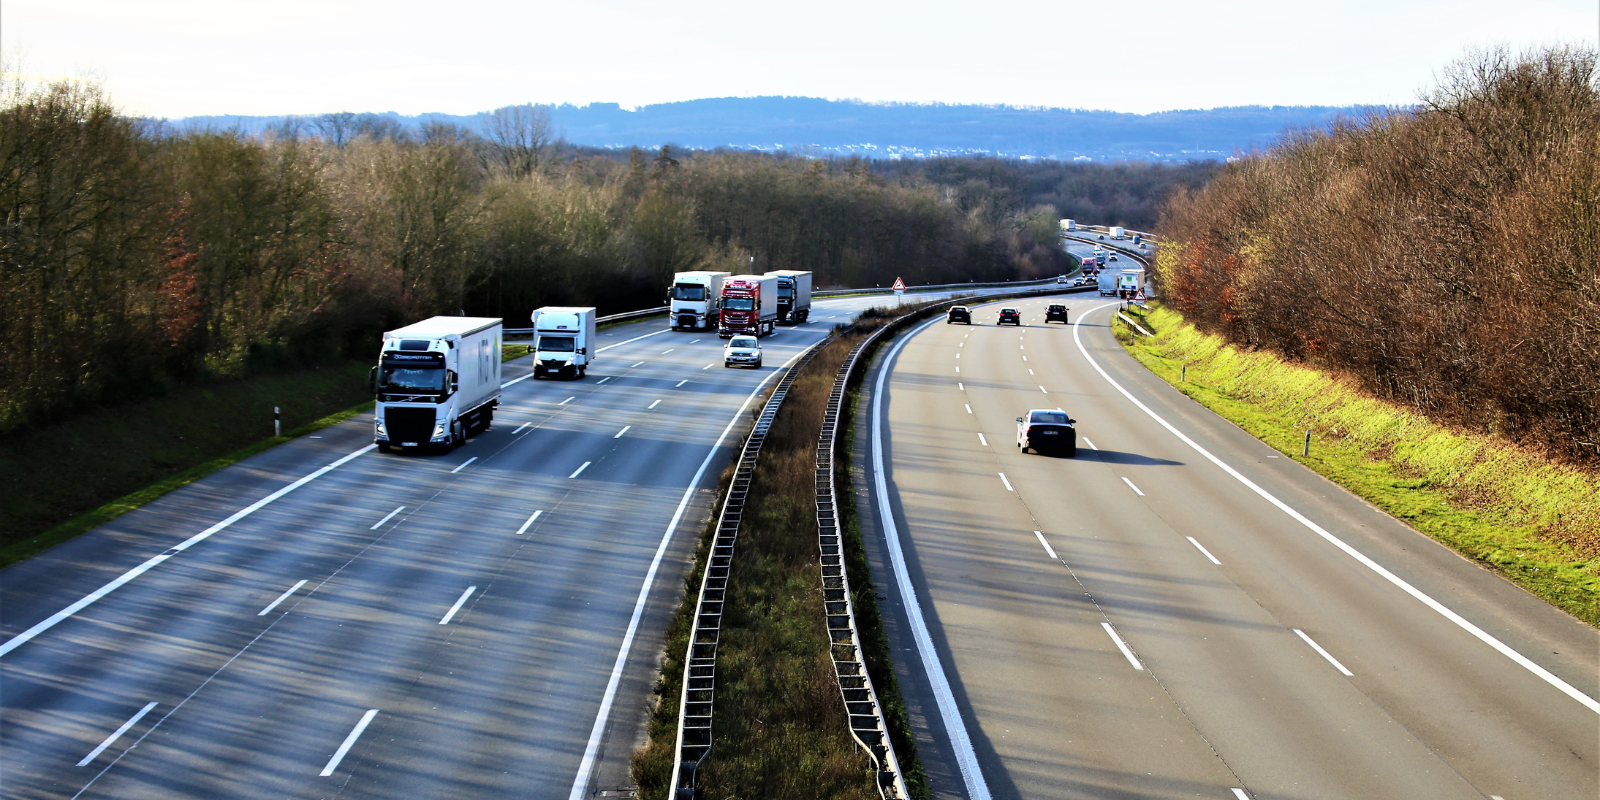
pixel 688 291
pixel 743 341
pixel 410 378
pixel 556 344
pixel 738 303
pixel 1058 308
pixel 1049 417
pixel 1008 311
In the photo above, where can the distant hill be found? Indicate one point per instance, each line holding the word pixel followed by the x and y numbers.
pixel 902 130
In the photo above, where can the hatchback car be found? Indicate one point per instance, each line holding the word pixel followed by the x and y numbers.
pixel 1112 258
pixel 1047 430
pixel 1056 313
pixel 1009 316
pixel 742 351
pixel 960 314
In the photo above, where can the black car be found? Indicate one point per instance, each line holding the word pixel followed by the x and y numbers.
pixel 960 314
pixel 1009 315
pixel 1056 313
pixel 1047 429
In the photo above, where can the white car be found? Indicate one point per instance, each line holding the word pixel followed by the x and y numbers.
pixel 742 351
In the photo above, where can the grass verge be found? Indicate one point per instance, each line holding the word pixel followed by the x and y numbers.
pixel 781 730
pixel 67 478
pixel 1534 521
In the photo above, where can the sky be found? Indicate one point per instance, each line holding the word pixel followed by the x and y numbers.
pixel 176 58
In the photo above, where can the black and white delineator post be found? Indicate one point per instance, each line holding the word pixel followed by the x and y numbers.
pixel 275 425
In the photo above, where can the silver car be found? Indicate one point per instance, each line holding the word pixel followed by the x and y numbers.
pixel 742 351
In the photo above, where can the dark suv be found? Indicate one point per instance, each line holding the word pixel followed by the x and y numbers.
pixel 960 314
pixel 1056 313
pixel 1009 315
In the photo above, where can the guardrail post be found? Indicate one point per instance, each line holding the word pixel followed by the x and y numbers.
pixel 1305 452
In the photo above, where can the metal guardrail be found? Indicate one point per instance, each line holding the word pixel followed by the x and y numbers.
pixel 695 704
pixel 606 320
pixel 932 287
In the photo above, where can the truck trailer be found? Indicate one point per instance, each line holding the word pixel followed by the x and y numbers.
pixel 1107 283
pixel 693 299
pixel 436 383
pixel 1069 225
pixel 794 295
pixel 1119 233
pixel 563 341
pixel 1129 283
pixel 749 305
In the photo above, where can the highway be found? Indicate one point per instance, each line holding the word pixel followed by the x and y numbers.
pixel 1181 611
pixel 322 619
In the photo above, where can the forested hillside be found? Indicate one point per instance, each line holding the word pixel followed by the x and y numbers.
pixel 1447 258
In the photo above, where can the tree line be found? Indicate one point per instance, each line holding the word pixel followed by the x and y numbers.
pixel 1444 257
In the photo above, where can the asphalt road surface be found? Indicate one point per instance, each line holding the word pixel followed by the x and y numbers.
pixel 323 619
pixel 1149 620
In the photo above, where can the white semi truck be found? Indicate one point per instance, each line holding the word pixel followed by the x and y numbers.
pixel 436 383
pixel 563 341
pixel 693 299
pixel 1119 233
pixel 794 295
pixel 1069 225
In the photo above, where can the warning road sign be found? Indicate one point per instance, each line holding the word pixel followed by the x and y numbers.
pixel 899 285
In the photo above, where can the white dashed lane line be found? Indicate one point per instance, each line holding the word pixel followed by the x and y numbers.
pixel 1134 488
pixel 529 523
pixel 117 734
pixel 451 614
pixel 1203 549
pixel 1127 653
pixel 1323 653
pixel 274 604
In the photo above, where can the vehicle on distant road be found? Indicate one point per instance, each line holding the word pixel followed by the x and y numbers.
pixel 1129 283
pixel 742 351
pixel 960 314
pixel 1061 279
pixel 1009 315
pixel 794 295
pixel 1118 233
pixel 1056 313
pixel 1111 258
pixel 1107 281
pixel 1047 430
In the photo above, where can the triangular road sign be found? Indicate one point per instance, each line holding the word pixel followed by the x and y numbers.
pixel 899 285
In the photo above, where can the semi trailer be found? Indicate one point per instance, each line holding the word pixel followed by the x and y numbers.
pixel 749 305
pixel 436 383
pixel 794 295
pixel 693 299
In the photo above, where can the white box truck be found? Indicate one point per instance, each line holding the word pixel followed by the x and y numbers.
pixel 1069 225
pixel 436 383
pixel 749 305
pixel 563 341
pixel 693 298
pixel 1119 233
pixel 1107 282
pixel 1129 283
pixel 794 295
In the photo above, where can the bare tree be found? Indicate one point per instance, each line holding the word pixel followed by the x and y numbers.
pixel 338 127
pixel 521 137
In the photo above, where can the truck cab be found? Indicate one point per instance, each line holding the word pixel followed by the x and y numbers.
pixel 436 383
pixel 693 299
pixel 563 341
pixel 749 305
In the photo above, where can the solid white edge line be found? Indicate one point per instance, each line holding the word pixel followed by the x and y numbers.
pixel 349 741
pixel 117 734
pixel 1112 632
pixel 520 427
pixel 634 339
pixel 580 783
pixel 1006 482
pixel 449 615
pixel 983 441
pixel 960 741
pixel 56 618
pixel 1446 612
pixel 1203 550
pixel 386 518
pixel 625 429
pixel 274 604
pixel 529 523
pixel 1134 488
pixel 1047 547
pixel 1323 653
pixel 580 469
pixel 463 465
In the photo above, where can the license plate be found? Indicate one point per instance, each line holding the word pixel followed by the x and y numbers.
pixel 1049 433
pixel 408 444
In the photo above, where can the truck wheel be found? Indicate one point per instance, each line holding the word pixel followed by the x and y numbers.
pixel 758 363
pixel 458 435
pixel 582 371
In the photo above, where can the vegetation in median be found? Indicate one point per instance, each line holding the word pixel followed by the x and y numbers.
pixel 1510 508
pixel 780 730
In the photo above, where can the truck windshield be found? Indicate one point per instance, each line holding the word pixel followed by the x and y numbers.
pixel 411 379
pixel 738 303
pixel 555 344
pixel 688 291
pixel 785 293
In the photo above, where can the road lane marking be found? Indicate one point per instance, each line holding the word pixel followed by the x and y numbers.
pixel 333 763
pixel 625 429
pixel 1121 646
pixel 1006 482
pixel 1047 547
pixel 635 365
pixel 386 518
pixel 576 472
pixel 631 341
pixel 708 366
pixel 682 382
pixel 1238 794
pixel 526 525
pixel 1399 583
pixel 463 465
pixel 1030 372
pixel 132 721
pixel 1041 388
pixel 958 370
pixel 958 355
pixel 949 713
pixel 519 428
pixel 580 783
pixel 87 600
pixel 1025 358
pixel 568 400
pixel 1134 488
pixel 983 441
pixel 692 341
pixel 969 407
pixel 1323 653
pixel 274 604
pixel 652 405
pixel 603 380
pixel 668 350
pixel 961 386
pixel 1204 550
pixel 515 381
pixel 449 615
pixel 1091 444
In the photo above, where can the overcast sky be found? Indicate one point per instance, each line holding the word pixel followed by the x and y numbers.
pixel 191 57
